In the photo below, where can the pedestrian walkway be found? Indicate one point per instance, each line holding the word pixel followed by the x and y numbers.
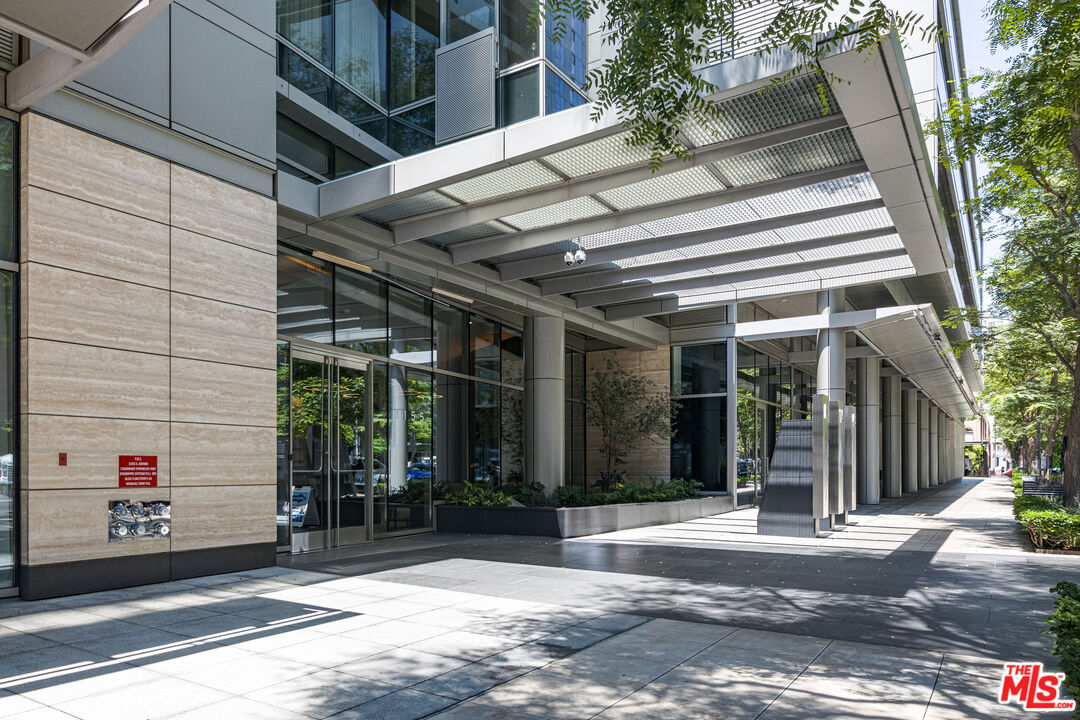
pixel 907 613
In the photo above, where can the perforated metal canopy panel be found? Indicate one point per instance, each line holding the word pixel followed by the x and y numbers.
pixel 465 87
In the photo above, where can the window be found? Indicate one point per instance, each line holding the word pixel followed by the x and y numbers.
pixel 568 52
pixel 558 95
pixel 9 427
pixel 304 148
pixel 306 23
pixel 8 138
pixel 304 297
pixel 413 131
pixel 360 46
pixel 414 37
pixel 451 340
pixel 359 112
pixel 300 73
pixel 520 94
pixel 484 348
pixel 468 17
pixel 519 40
pixel 699 445
pixel 359 312
pixel 410 327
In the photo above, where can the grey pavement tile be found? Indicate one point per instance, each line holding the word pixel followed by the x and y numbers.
pixel 615 622
pixel 13 704
pixel 715 706
pixel 464 645
pixel 80 682
pixel 42 713
pixel 44 660
pixel 343 622
pixel 174 616
pixel 396 633
pixel 322 694
pixel 468 681
pixel 575 638
pixel 394 608
pixel 680 629
pixel 148 701
pixel 213 625
pixel 249 674
pixel 818 705
pixel 143 639
pixel 401 705
pixel 178 660
pixel 527 656
pixel 52 619
pixel 402 666
pixel 647 647
pixel 476 711
pixel 803 647
pixel 330 651
pixel 16 642
pixel 268 640
pixel 518 628
pixel 239 708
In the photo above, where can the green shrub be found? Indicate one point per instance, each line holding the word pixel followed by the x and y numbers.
pixel 530 494
pixel 477 496
pixel 1064 624
pixel 567 496
pixel 1047 522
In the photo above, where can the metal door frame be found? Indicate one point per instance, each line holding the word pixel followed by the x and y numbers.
pixel 331 535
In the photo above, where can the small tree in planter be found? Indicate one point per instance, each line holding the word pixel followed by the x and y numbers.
pixel 628 409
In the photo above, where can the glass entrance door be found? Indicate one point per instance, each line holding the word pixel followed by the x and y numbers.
pixel 330 420
pixel 753 459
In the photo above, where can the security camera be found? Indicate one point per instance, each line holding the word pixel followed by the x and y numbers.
pixel 568 258
pixel 579 256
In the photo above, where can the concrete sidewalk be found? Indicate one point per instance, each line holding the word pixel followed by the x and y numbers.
pixel 907 614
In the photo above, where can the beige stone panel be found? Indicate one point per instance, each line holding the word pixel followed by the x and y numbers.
pixel 75 307
pixel 211 330
pixel 85 166
pixel 72 525
pixel 206 517
pixel 223 271
pixel 211 207
pixel 207 392
pixel 66 379
pixel 93 447
pixel 70 233
pixel 223 455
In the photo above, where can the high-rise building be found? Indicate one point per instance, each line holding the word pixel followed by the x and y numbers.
pixel 274 280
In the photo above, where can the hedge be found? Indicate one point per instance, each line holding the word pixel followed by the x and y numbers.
pixel 1049 524
pixel 1065 625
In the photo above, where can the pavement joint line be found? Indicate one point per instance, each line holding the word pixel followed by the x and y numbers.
pixel 937 678
pixel 795 679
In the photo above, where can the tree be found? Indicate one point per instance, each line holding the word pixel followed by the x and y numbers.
pixel 628 409
pixel 1026 127
pixel 649 78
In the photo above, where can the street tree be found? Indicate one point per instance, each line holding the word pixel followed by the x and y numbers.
pixel 1025 126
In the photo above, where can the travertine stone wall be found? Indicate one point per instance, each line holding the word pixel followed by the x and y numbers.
pixel 653 459
pixel 148 323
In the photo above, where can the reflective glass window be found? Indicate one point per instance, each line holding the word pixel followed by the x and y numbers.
pixel 513 435
pixel 410 451
pixel 484 348
pixel 519 40
pixel 413 131
pixel 558 95
pixel 468 17
pixel 284 489
pixel 359 112
pixel 414 37
pixel 568 52
pixel 359 312
pixel 8 428
pixel 360 46
pixel 8 138
pixel 486 427
pixel 452 441
pixel 451 338
pixel 306 23
pixel 699 369
pixel 699 445
pixel 520 95
pixel 303 147
pixel 410 327
pixel 347 163
pixel 300 73
pixel 746 370
pixel 512 352
pixel 304 297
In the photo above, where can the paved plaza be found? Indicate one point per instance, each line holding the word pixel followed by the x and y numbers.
pixel 907 613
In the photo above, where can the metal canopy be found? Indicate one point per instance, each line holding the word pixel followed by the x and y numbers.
pixel 788 192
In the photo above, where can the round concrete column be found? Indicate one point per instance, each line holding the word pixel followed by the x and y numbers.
pixel 868 436
pixel 831 351
pixel 911 440
pixel 545 401
pixel 934 449
pixel 891 445
pixel 924 442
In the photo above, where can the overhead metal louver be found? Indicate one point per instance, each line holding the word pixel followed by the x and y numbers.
pixel 9 47
pixel 465 87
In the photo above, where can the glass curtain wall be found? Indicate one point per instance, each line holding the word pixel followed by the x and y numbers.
pixel 373 63
pixel 9 431
pixel 448 401
pixel 699 445
pixel 575 419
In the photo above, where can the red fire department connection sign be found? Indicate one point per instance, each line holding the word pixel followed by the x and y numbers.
pixel 138 471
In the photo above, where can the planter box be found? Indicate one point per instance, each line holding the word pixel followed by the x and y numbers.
pixel 575 522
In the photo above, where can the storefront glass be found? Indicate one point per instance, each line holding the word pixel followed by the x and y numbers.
pixel 699 447
pixel 9 431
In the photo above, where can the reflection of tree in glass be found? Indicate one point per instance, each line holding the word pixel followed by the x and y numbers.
pixel 412 63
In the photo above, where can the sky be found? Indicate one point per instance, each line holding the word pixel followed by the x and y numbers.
pixel 977 56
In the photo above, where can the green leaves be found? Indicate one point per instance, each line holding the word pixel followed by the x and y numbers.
pixel 654 48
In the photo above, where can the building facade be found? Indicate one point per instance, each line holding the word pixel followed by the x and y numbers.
pixel 277 279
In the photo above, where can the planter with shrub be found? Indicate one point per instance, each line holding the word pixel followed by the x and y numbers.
pixel 1051 526
pixel 568 512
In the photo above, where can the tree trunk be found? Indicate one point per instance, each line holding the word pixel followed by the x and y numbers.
pixel 1071 467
